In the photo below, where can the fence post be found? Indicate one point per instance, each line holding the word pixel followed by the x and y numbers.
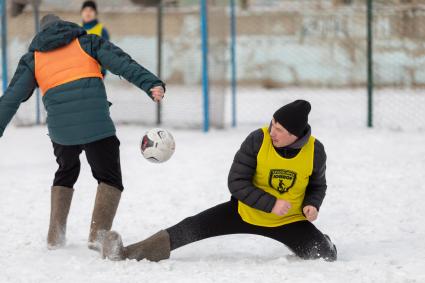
pixel 369 63
pixel 205 76
pixel 4 43
pixel 159 56
pixel 233 59
pixel 37 91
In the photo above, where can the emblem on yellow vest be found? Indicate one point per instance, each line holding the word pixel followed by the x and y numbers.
pixel 282 180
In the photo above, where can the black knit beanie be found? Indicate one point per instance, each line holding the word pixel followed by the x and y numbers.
pixel 294 116
pixel 90 4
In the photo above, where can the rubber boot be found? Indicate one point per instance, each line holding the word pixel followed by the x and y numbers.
pixel 105 207
pixel 154 248
pixel 61 198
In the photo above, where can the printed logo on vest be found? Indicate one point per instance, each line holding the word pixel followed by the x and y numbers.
pixel 282 180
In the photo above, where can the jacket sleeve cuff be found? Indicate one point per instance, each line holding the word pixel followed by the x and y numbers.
pixel 312 204
pixel 148 91
pixel 270 204
pixel 159 84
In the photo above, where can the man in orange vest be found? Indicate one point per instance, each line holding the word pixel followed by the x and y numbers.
pixel 64 62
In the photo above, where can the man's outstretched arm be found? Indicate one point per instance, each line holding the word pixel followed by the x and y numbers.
pixel 115 60
pixel 19 90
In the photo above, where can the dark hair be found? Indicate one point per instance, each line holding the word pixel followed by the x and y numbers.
pixel 90 4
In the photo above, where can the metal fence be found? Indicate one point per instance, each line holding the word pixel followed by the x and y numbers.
pixel 398 65
pixel 273 51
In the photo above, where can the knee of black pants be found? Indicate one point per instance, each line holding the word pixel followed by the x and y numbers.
pixel 332 253
pixel 67 158
pixel 67 177
pixel 111 179
pixel 320 248
pixel 306 241
pixel 104 159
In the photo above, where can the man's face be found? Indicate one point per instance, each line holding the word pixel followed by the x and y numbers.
pixel 88 14
pixel 280 136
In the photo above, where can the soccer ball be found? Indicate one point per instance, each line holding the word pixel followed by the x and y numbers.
pixel 157 145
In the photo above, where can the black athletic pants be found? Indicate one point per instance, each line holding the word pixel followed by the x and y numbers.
pixel 103 157
pixel 302 237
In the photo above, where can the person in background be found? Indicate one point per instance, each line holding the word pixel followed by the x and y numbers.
pixel 91 23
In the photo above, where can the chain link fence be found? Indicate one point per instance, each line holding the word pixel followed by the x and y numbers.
pixel 399 64
pixel 285 50
pixel 314 50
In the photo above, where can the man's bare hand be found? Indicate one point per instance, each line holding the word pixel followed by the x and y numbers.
pixel 157 93
pixel 310 213
pixel 281 207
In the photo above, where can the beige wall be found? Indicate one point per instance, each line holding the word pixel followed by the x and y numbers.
pixel 275 48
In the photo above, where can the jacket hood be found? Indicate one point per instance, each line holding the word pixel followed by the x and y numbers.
pixel 302 141
pixel 56 35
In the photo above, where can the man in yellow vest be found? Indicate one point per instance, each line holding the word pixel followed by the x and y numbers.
pixel 277 182
pixel 91 22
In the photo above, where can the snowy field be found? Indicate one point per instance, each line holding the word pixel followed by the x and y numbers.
pixel 374 211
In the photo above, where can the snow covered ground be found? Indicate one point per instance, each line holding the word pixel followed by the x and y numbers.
pixel 374 211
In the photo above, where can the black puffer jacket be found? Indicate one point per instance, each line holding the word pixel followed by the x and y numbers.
pixel 245 164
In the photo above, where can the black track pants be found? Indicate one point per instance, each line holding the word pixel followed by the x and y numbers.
pixel 302 237
pixel 103 157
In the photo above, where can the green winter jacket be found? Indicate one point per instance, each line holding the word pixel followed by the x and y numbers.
pixel 78 111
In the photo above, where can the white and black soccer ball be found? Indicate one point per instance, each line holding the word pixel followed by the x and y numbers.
pixel 157 145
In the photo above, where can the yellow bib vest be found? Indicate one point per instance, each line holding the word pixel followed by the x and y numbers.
pixel 283 178
pixel 97 30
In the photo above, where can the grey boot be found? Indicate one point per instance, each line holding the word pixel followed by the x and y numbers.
pixel 105 207
pixel 112 247
pixel 61 198
pixel 154 248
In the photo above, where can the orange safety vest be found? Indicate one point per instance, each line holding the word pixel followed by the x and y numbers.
pixel 64 65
